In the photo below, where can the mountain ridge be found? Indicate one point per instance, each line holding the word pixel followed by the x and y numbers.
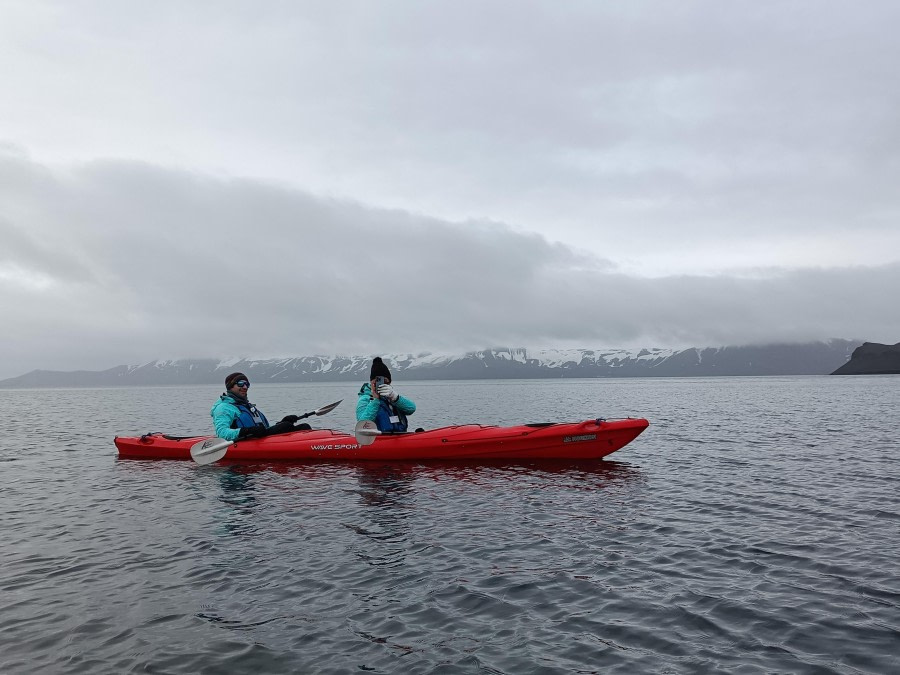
pixel 811 358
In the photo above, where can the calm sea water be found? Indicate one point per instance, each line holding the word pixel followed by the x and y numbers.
pixel 753 528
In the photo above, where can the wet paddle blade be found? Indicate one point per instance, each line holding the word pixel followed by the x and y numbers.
pixel 210 450
pixel 328 408
pixel 321 411
pixel 365 432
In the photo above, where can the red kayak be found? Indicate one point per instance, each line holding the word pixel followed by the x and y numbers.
pixel 591 439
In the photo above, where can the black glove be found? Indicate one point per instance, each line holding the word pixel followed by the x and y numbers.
pixel 251 432
pixel 290 419
pixel 283 427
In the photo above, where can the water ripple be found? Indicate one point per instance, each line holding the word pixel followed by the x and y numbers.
pixel 752 529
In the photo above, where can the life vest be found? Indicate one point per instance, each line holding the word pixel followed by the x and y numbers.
pixel 383 418
pixel 250 416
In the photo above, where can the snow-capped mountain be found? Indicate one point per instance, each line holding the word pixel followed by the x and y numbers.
pixel 815 358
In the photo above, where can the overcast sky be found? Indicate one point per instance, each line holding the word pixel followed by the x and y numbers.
pixel 245 178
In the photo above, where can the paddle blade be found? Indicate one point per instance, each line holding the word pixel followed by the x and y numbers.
pixel 365 432
pixel 321 411
pixel 328 408
pixel 210 450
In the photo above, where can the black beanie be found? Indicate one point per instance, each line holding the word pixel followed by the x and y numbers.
pixel 379 369
pixel 234 377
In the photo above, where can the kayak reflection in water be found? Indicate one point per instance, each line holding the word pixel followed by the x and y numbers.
pixel 235 417
pixel 379 402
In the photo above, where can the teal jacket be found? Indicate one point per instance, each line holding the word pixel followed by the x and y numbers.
pixel 229 415
pixel 367 407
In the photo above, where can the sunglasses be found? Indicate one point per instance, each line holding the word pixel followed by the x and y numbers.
pixel 242 383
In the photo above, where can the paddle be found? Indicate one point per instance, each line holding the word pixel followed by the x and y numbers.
pixel 210 450
pixel 213 449
pixel 365 432
pixel 321 411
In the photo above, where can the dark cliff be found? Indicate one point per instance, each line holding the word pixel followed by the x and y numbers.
pixel 871 358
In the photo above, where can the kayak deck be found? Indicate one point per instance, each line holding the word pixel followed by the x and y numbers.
pixel 591 439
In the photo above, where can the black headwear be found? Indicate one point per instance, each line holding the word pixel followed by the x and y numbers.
pixel 379 369
pixel 234 377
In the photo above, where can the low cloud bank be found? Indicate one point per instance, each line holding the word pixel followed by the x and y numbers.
pixel 120 262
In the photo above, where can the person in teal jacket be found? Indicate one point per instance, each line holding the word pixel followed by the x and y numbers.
pixel 234 417
pixel 380 403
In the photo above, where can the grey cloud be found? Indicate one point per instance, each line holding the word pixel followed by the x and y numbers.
pixel 596 124
pixel 189 265
pixel 351 177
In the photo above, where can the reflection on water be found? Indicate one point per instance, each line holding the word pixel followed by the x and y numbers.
pixel 386 497
pixel 386 485
pixel 237 486
pixel 386 481
pixel 239 493
pixel 592 474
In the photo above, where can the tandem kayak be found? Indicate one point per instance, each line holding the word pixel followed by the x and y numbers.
pixel 591 439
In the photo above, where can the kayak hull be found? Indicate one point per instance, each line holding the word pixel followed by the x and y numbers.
pixel 591 439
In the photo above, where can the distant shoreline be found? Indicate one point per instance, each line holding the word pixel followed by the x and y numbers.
pixel 814 358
